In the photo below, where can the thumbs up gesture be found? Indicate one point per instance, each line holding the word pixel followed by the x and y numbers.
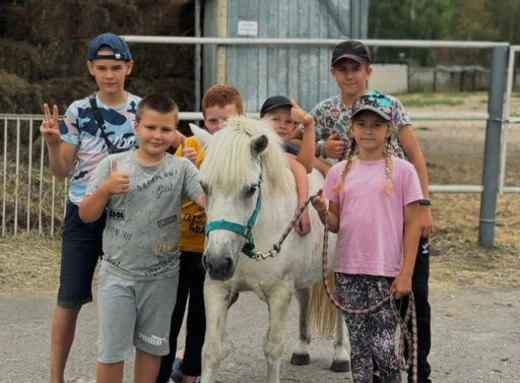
pixel 299 115
pixel 116 182
pixel 319 202
pixel 188 152
pixel 335 146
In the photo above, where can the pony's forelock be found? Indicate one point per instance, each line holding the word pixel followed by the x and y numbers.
pixel 228 158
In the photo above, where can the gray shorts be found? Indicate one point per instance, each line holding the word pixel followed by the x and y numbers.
pixel 134 313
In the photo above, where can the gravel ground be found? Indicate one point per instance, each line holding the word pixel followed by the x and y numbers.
pixel 476 338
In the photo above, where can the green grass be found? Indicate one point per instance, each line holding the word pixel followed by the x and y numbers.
pixel 431 99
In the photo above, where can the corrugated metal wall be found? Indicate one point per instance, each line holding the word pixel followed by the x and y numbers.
pixel 297 72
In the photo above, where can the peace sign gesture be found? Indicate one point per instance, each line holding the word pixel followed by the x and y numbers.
pixel 49 128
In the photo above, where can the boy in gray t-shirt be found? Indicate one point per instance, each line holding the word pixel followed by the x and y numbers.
pixel 142 191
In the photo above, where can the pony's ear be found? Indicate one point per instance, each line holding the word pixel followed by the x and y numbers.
pixel 259 145
pixel 200 134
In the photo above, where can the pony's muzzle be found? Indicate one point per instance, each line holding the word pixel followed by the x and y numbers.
pixel 219 267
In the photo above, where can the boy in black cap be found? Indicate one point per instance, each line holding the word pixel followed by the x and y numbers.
pixel 282 115
pixel 285 117
pixel 92 128
pixel 350 68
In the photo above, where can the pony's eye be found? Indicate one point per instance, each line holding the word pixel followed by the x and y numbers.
pixel 250 191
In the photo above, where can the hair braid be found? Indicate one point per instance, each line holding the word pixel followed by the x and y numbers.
pixel 348 165
pixel 389 166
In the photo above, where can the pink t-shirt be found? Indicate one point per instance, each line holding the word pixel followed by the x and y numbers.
pixel 370 236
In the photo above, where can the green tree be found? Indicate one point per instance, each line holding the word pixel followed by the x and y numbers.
pixel 409 19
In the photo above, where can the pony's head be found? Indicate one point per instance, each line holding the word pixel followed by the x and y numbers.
pixel 243 164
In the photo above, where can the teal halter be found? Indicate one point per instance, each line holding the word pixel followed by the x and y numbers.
pixel 245 231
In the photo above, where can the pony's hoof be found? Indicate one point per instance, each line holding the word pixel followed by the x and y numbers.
pixel 340 366
pixel 300 359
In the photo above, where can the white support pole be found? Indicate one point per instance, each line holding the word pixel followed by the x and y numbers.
pixel 29 175
pixel 17 179
pixel 40 191
pixel 5 179
pixel 317 42
pixel 507 111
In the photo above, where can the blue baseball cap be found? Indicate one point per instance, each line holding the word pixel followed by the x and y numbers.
pixel 114 42
pixel 374 102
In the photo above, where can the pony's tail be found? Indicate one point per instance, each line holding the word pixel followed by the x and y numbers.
pixel 322 314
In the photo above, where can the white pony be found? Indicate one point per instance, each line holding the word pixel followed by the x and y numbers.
pixel 250 199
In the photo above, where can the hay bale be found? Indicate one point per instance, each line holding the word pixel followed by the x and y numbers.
pixel 180 89
pixel 60 59
pixel 155 61
pixel 20 58
pixel 18 95
pixel 53 21
pixel 14 22
pixel 63 91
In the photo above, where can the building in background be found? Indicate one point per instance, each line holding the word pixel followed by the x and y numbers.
pixel 260 71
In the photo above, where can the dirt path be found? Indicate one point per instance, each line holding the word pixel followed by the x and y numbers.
pixel 476 338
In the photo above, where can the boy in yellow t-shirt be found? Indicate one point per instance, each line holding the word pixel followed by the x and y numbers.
pixel 218 104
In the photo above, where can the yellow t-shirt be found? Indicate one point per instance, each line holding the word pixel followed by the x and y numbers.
pixel 193 219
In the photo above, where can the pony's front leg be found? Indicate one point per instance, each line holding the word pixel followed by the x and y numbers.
pixel 300 356
pixel 217 299
pixel 278 299
pixel 340 360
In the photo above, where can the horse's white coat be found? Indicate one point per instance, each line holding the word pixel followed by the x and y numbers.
pixel 234 159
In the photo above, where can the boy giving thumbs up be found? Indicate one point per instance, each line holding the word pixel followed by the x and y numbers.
pixel 142 191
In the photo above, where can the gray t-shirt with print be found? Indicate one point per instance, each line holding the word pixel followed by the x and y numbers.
pixel 331 116
pixel 142 232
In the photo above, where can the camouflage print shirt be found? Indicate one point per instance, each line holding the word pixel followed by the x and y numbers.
pixel 332 116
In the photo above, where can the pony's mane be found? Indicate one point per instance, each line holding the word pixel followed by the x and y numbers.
pixel 228 158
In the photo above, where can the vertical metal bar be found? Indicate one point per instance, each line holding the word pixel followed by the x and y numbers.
pixel 490 173
pixel 5 178
pixel 29 176
pixel 355 19
pixel 17 175
pixel 40 193
pixel 507 112
pixel 198 57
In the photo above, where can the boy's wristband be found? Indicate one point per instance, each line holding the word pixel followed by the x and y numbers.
pixel 321 149
pixel 425 202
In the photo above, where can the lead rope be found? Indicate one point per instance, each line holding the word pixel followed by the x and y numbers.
pixel 405 336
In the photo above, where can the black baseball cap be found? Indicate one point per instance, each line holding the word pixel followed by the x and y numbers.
pixel 115 42
pixel 273 103
pixel 351 49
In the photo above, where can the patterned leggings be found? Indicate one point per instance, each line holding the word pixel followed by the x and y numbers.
pixel 373 334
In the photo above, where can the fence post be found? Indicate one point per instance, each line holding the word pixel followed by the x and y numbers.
pixel 491 166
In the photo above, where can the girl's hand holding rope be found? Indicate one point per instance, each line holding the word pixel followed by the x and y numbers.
pixel 401 286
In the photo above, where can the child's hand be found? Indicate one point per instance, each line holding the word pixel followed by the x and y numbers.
pixel 334 146
pixel 188 152
pixel 401 286
pixel 116 182
pixel 303 225
pixel 49 128
pixel 319 201
pixel 299 115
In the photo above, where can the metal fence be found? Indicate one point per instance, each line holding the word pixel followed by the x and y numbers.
pixel 51 195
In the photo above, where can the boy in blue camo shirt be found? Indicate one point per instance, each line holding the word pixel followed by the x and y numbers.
pixel 92 128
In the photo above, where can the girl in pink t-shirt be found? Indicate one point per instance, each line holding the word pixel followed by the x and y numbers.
pixel 373 206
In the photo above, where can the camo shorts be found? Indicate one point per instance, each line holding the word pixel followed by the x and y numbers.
pixel 134 313
pixel 371 335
